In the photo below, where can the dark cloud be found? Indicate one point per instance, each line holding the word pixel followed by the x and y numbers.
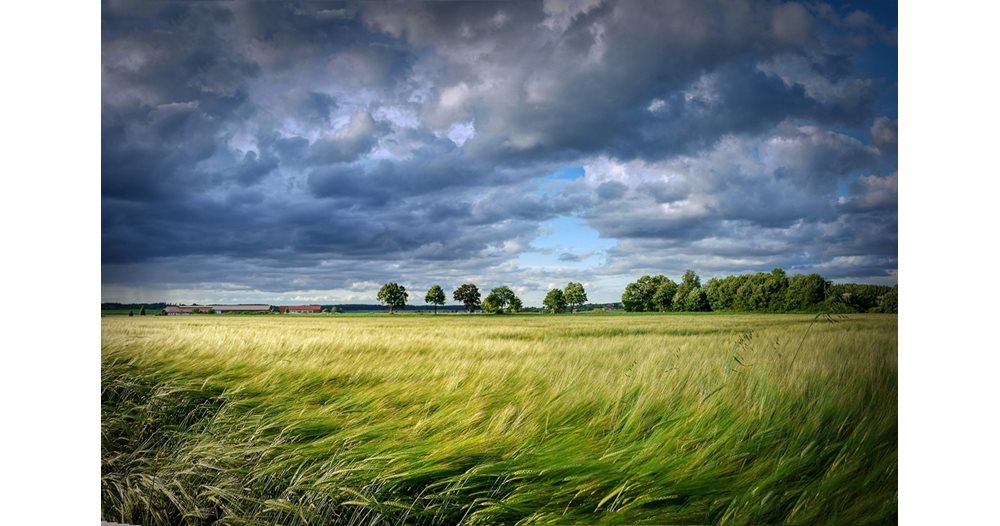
pixel 347 143
pixel 612 190
pixel 261 148
pixel 815 159
pixel 873 192
pixel 883 135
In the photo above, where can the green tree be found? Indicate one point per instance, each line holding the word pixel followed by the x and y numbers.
pixel 888 302
pixel 860 297
pixel 393 295
pixel 516 305
pixel 751 295
pixel 696 301
pixel 554 301
pixel 805 292
pixel 468 294
pixel 715 293
pixel 775 290
pixel 638 296
pixel 663 298
pixel 632 297
pixel 722 293
pixel 574 294
pixel 491 304
pixel 130 314
pixel 499 299
pixel 142 310
pixel 688 282
pixel 435 296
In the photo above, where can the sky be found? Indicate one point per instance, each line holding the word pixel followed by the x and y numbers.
pixel 309 152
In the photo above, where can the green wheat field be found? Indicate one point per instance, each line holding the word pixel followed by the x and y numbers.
pixel 526 419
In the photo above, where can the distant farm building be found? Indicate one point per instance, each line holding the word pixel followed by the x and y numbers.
pixel 220 309
pixel 300 309
pixel 176 310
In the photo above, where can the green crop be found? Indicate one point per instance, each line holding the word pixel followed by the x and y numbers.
pixel 472 419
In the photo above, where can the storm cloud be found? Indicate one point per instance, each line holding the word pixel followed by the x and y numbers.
pixel 266 151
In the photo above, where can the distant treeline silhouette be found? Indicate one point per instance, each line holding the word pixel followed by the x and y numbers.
pixel 772 291
pixel 760 292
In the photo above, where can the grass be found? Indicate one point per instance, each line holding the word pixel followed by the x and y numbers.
pixel 719 419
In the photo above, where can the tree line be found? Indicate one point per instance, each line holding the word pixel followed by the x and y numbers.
pixel 499 300
pixel 772 291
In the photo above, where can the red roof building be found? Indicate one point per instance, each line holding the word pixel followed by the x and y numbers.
pixel 300 309
pixel 176 310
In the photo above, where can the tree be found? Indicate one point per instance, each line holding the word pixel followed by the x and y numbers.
pixel 750 295
pixel 858 296
pixel 515 305
pixel 468 294
pixel 696 301
pixel 393 295
pixel 130 314
pixel 688 282
pixel 574 294
pixel 722 292
pixel 142 310
pixel 632 297
pixel 491 304
pixel 638 296
pixel 690 279
pixel 888 302
pixel 663 298
pixel 775 289
pixel 554 301
pixel 804 292
pixel 435 296
pixel 499 299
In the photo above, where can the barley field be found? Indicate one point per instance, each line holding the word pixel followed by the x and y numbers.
pixel 472 419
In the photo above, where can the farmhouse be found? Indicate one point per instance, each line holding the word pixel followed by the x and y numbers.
pixel 176 310
pixel 219 309
pixel 299 309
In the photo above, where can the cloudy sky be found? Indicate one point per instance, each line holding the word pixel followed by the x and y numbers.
pixel 310 152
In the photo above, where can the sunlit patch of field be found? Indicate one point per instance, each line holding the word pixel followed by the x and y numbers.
pixel 668 419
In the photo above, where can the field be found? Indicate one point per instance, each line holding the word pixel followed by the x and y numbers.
pixel 472 419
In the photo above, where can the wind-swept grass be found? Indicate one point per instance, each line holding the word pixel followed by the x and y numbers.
pixel 490 420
